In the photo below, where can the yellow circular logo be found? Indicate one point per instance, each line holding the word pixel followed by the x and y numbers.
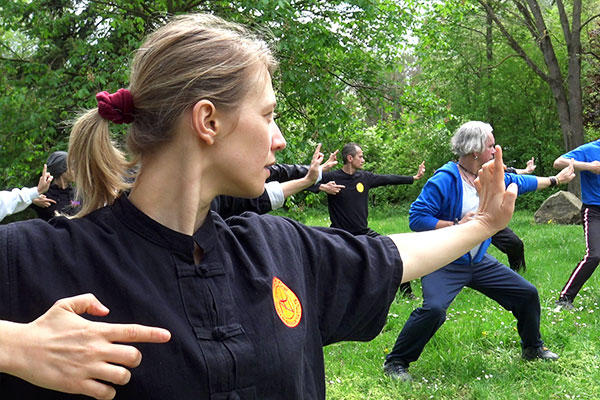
pixel 286 302
pixel 360 187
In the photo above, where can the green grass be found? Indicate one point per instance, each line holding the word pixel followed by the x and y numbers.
pixel 476 353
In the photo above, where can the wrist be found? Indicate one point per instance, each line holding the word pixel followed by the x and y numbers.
pixel 10 339
pixel 308 181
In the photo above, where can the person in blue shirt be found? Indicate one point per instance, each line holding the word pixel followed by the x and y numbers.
pixel 449 198
pixel 586 160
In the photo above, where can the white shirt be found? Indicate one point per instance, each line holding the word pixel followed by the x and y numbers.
pixel 16 200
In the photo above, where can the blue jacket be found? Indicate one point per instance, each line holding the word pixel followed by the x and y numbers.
pixel 441 199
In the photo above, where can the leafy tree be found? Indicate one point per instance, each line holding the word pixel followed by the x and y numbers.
pixel 592 90
pixel 565 83
pixel 338 60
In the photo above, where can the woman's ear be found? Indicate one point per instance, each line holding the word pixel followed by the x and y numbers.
pixel 205 121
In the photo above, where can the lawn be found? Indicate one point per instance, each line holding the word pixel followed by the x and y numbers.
pixel 476 353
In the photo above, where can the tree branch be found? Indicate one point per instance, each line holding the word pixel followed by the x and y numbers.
pixel 502 61
pixel 130 11
pixel 17 60
pixel 513 43
pixel 596 56
pixel 527 18
pixel 564 21
pixel 471 29
pixel 359 86
pixel 588 21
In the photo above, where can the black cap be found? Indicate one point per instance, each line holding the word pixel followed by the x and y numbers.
pixel 57 163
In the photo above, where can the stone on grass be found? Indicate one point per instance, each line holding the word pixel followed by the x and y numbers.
pixel 560 208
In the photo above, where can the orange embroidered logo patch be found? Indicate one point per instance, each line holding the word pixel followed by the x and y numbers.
pixel 360 187
pixel 286 302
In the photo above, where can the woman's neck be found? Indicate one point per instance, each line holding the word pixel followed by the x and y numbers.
pixel 169 189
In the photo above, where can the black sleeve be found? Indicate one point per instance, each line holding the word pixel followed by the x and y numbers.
pixel 326 177
pixel 227 206
pixel 349 281
pixel 382 180
pixel 5 247
pixel 286 172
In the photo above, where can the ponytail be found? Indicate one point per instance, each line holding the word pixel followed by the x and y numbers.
pixel 98 166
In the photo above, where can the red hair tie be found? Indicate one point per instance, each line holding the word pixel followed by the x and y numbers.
pixel 116 107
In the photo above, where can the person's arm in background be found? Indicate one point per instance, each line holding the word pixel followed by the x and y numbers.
pixel 566 175
pixel 287 172
pixel 275 193
pixel 313 175
pixel 43 201
pixel 420 171
pixel 593 166
pixel 528 170
pixel 19 199
pixel 377 180
pixel 331 188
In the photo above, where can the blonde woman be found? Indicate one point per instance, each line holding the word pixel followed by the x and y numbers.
pixel 247 303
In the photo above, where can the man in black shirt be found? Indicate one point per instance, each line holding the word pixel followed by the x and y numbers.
pixel 348 194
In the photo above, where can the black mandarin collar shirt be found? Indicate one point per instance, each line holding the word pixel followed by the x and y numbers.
pixel 248 322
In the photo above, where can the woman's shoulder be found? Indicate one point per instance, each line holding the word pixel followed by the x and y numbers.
pixel 444 175
pixel 57 226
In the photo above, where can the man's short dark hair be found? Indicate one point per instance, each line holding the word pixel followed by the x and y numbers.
pixel 349 149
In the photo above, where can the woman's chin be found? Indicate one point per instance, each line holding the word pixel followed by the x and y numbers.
pixel 249 192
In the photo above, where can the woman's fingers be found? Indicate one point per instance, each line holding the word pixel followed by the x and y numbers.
pixel 111 373
pixel 134 333
pixel 126 333
pixel 83 303
pixel 97 390
pixel 496 202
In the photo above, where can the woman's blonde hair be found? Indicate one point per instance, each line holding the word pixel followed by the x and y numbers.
pixel 192 57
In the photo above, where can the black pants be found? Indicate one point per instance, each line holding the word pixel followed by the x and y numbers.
pixel 405 288
pixel 510 244
pixel 590 216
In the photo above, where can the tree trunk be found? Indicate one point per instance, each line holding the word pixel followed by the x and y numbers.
pixel 566 91
pixel 489 52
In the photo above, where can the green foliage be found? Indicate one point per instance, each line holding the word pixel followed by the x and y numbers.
pixel 592 84
pixel 398 79
pixel 337 60
pixel 503 91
